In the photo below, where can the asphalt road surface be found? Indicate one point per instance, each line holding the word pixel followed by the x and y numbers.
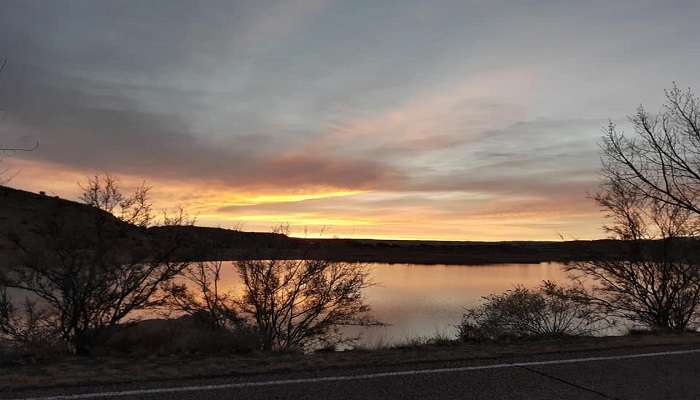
pixel 668 373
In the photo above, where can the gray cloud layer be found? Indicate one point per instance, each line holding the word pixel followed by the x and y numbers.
pixel 494 98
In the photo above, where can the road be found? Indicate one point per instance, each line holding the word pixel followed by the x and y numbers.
pixel 651 373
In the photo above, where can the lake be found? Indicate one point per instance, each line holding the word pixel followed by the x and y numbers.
pixel 425 300
pixel 417 300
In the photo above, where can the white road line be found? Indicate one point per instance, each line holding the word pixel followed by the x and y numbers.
pixel 142 392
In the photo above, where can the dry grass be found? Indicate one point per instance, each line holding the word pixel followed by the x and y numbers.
pixel 163 337
pixel 112 369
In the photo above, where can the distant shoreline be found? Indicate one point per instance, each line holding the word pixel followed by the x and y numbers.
pixel 20 206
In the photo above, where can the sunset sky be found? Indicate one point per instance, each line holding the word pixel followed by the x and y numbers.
pixel 450 120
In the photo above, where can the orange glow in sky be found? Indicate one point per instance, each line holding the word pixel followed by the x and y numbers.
pixel 401 120
pixel 329 212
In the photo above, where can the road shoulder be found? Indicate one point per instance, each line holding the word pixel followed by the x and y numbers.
pixel 76 372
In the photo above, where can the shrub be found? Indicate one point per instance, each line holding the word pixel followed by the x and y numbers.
pixel 659 295
pixel 548 311
pixel 200 296
pixel 28 327
pixel 185 335
pixel 300 304
pixel 27 332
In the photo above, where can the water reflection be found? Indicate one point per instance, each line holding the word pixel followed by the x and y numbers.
pixel 424 300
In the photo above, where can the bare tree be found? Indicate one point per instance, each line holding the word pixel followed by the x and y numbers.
pixel 201 296
pixel 104 192
pixel 91 272
pixel 662 159
pixel 549 310
pixel 657 282
pixel 649 194
pixel 297 304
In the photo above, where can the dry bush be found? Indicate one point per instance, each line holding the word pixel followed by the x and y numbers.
pixel 28 330
pixel 286 304
pixel 661 295
pixel 301 304
pixel 548 311
pixel 185 335
pixel 201 297
pixel 211 314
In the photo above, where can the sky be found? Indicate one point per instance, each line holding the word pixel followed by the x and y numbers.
pixel 446 120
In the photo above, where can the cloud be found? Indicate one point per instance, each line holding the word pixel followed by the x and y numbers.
pixel 79 128
pixel 439 119
pixel 525 172
pixel 464 121
pixel 528 157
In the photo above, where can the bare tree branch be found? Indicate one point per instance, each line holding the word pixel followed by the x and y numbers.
pixel 299 304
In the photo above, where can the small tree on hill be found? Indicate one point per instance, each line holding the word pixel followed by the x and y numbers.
pixel 104 192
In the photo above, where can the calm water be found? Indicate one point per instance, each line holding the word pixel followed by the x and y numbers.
pixel 424 300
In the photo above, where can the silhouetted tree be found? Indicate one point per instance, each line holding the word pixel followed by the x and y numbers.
pixel 649 192
pixel 662 159
pixel 103 192
pixel 91 271
pixel 200 296
pixel 549 310
pixel 298 304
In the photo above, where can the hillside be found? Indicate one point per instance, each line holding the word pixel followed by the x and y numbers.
pixel 25 214
pixel 21 211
